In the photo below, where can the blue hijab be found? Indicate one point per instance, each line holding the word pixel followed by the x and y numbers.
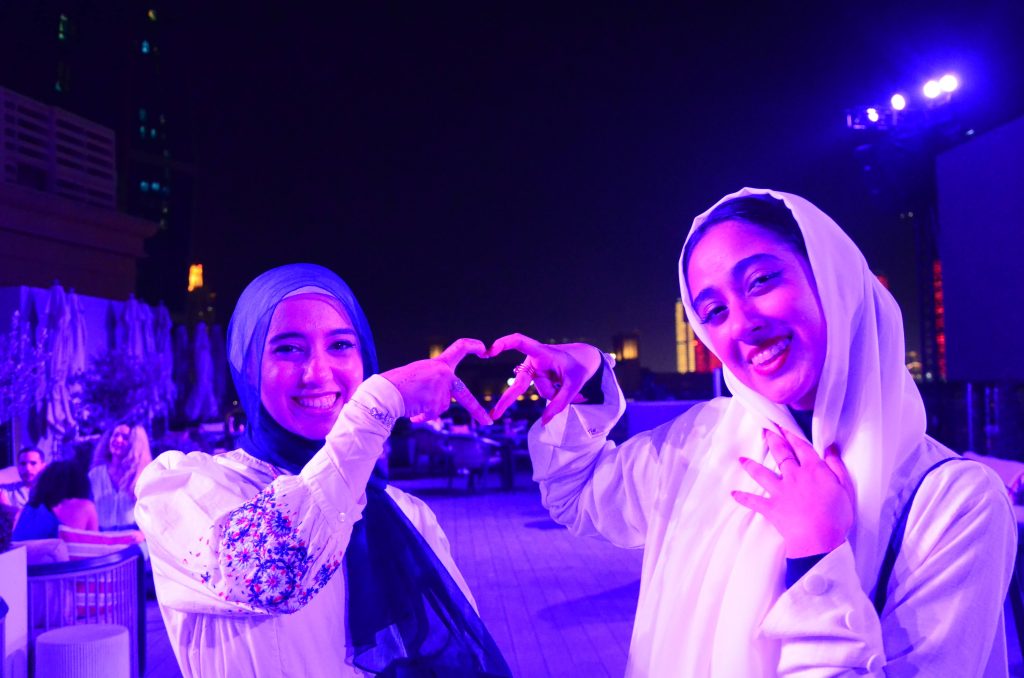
pixel 406 615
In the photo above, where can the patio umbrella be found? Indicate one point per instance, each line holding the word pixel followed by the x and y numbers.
pixel 60 347
pixel 163 351
pixel 79 336
pixel 181 366
pixel 218 354
pixel 135 331
pixel 202 403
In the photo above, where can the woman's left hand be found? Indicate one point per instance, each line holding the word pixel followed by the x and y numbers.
pixel 810 501
pixel 428 386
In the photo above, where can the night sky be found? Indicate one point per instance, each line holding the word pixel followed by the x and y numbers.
pixel 491 168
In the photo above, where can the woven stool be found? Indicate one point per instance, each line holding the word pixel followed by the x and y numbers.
pixel 84 651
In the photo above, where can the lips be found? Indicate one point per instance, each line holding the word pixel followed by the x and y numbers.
pixel 319 403
pixel 768 356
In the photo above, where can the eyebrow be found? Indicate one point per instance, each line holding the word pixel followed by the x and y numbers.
pixel 285 336
pixel 737 271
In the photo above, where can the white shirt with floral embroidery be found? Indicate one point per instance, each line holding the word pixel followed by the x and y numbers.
pixel 246 558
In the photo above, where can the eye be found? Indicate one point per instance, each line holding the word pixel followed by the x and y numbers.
pixel 285 349
pixel 761 281
pixel 342 345
pixel 711 313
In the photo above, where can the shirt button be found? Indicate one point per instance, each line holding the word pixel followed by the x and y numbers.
pixel 594 431
pixel 875 663
pixel 815 584
pixel 342 516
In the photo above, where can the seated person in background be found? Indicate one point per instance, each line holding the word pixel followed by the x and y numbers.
pixel 30 465
pixel 61 497
pixel 119 458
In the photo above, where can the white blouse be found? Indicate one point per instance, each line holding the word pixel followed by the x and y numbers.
pixel 944 610
pixel 246 558
pixel 115 507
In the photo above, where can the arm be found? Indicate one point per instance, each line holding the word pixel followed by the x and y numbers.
pixel 227 539
pixel 595 487
pixel 945 597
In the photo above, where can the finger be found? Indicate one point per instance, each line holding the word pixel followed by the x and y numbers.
pixel 419 418
pixel 569 390
pixel 764 477
pixel 519 387
pixel 836 465
pixel 779 448
pixel 545 387
pixel 459 349
pixel 753 502
pixel 466 399
pixel 517 342
pixel 803 450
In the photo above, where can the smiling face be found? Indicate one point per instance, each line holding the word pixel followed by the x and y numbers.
pixel 120 441
pixel 312 364
pixel 756 297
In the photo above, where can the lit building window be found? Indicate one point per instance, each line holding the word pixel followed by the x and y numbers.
pixel 142 131
pixel 156 185
pixel 142 114
pixel 144 186
pixel 63 27
pixel 145 47
pixel 195 277
pixel 151 15
pixel 152 133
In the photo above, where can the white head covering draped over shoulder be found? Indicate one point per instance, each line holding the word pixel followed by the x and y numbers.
pixel 732 559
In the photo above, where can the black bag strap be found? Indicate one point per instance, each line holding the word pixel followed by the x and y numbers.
pixel 896 540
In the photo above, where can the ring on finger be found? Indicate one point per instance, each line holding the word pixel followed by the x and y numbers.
pixel 788 459
pixel 523 367
pixel 458 386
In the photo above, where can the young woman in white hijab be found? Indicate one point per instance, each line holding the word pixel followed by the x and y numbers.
pixel 765 517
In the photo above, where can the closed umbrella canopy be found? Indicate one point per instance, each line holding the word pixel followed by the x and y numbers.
pixel 60 347
pixel 202 403
pixel 164 355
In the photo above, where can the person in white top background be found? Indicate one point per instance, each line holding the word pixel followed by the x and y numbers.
pixel 119 458
pixel 767 517
pixel 291 556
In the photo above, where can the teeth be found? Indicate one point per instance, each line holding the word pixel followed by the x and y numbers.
pixel 321 403
pixel 761 357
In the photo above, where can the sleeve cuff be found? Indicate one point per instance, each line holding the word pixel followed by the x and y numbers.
pixel 798 567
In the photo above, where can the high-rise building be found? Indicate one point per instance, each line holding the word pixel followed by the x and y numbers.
pixel 691 354
pixel 104 62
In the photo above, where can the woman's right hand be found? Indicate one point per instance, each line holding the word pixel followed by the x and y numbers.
pixel 558 370
pixel 428 386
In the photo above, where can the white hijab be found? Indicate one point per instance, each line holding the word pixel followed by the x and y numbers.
pixel 727 562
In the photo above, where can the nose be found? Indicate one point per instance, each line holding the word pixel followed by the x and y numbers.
pixel 746 322
pixel 316 370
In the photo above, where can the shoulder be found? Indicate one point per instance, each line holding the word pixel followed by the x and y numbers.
pixel 965 495
pixel 174 471
pixel 696 423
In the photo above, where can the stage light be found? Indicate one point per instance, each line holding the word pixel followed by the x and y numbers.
pixel 948 82
pixel 898 102
pixel 932 89
pixel 873 114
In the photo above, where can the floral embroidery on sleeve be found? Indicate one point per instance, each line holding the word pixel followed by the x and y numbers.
pixel 264 560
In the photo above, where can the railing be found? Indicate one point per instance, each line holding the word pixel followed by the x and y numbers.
pixel 51 150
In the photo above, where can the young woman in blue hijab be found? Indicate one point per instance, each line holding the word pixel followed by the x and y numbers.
pixel 289 555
